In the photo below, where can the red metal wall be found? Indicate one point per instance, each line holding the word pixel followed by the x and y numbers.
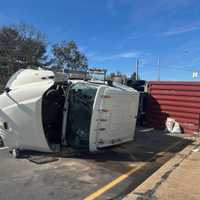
pixel 178 100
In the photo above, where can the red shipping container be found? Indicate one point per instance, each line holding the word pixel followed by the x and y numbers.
pixel 178 100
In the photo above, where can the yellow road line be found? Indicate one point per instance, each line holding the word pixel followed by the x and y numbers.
pixel 125 176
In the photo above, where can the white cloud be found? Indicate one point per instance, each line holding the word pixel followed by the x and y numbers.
pixel 142 12
pixel 180 30
pixel 124 55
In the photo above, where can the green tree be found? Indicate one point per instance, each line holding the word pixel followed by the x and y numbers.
pixel 112 74
pixel 66 55
pixel 133 76
pixel 21 46
pixel 117 76
pixel 118 73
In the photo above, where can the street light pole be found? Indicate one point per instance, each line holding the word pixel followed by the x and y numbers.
pixel 137 66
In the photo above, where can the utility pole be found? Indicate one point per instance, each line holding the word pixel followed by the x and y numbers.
pixel 158 66
pixel 137 66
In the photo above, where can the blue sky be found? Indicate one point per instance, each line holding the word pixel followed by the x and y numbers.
pixel 114 33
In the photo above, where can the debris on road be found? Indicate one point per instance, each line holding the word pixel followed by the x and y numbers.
pixel 173 126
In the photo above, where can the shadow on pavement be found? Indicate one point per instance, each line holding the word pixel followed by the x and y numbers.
pixel 146 144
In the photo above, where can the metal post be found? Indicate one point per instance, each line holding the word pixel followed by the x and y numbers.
pixel 137 65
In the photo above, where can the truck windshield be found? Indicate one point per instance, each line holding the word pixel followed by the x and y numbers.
pixel 81 99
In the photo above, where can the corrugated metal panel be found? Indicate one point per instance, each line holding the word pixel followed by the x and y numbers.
pixel 179 100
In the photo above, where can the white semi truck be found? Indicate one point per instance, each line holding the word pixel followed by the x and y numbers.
pixel 40 112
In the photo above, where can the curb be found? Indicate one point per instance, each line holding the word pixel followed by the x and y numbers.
pixel 147 189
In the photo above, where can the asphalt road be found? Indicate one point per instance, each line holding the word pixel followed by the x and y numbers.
pixel 81 175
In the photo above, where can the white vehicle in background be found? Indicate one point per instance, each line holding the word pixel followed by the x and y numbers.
pixel 41 112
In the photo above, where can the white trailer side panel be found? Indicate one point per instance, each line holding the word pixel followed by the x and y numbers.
pixel 117 117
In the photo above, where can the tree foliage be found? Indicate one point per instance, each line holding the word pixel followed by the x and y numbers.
pixel 134 76
pixel 67 56
pixel 114 76
pixel 21 46
pixel 117 73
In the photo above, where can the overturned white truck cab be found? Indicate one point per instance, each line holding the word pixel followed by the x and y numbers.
pixel 39 112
